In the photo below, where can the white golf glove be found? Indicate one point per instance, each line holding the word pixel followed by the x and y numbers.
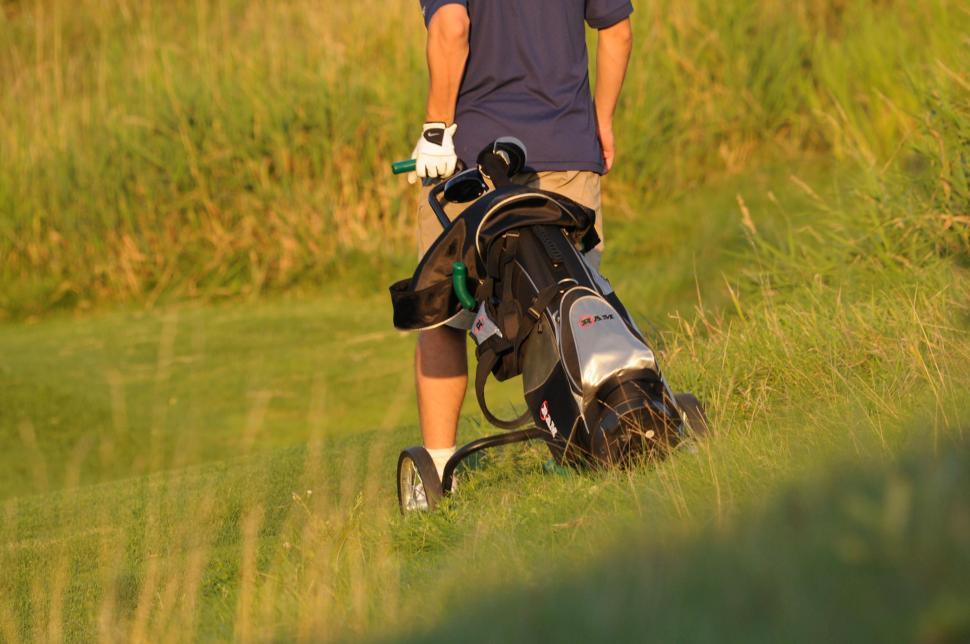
pixel 435 152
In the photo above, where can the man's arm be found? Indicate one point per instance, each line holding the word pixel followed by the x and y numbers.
pixel 447 54
pixel 612 55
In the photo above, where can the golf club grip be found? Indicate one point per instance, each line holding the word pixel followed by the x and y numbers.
pixel 408 165
pixel 459 281
pixel 495 166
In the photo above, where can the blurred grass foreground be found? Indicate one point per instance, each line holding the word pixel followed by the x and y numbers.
pixel 202 398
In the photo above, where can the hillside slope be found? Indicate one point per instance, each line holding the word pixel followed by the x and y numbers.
pixel 808 352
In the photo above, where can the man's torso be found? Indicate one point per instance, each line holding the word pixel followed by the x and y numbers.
pixel 528 76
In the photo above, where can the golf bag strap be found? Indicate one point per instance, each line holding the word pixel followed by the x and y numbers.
pixel 534 317
pixel 493 350
pixel 486 362
pixel 540 304
pixel 497 260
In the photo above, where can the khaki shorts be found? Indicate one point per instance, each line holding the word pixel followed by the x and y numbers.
pixel 582 186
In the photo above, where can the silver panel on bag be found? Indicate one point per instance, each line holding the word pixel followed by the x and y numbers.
pixel 604 344
pixel 483 327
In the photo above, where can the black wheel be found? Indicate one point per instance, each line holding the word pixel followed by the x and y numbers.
pixel 694 415
pixel 418 486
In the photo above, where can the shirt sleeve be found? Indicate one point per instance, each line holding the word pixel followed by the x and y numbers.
pixel 601 14
pixel 428 7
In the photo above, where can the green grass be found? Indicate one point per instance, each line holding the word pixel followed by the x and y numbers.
pixel 869 553
pixel 245 453
pixel 174 386
pixel 211 457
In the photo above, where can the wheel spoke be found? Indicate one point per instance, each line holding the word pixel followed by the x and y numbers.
pixel 412 488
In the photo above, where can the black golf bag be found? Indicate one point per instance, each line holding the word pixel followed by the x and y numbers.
pixel 516 258
pixel 588 376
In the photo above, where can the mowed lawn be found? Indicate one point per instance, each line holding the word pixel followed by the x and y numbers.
pixel 131 393
pixel 121 393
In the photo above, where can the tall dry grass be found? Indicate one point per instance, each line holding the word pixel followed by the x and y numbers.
pixel 216 148
pixel 196 147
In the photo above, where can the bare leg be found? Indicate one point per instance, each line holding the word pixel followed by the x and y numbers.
pixel 441 373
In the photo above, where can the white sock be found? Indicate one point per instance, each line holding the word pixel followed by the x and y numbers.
pixel 440 458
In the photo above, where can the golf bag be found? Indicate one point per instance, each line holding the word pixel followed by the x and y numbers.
pixel 543 311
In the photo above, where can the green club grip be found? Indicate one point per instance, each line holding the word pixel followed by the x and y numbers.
pixel 459 281
pixel 408 165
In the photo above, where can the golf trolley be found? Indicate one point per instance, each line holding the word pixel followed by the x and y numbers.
pixel 514 261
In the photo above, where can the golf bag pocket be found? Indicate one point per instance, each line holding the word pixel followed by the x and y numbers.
pixel 496 356
pixel 597 342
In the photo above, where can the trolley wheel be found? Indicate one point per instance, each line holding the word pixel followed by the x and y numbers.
pixel 418 486
pixel 694 415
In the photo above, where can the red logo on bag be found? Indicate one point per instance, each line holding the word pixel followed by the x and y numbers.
pixel 546 418
pixel 587 321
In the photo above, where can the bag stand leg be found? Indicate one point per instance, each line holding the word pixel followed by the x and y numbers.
pixel 508 438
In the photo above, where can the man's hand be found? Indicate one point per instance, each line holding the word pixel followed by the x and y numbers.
pixel 435 152
pixel 605 133
pixel 612 55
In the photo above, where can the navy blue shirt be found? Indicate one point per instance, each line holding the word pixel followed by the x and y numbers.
pixel 527 76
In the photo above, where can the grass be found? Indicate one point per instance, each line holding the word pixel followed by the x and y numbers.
pixel 179 383
pixel 211 456
pixel 227 148
pixel 173 388
pixel 867 553
pixel 249 491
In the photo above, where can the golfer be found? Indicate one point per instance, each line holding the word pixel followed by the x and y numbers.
pixel 510 68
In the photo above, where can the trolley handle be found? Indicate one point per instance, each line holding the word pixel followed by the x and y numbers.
pixel 402 167
pixel 410 165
